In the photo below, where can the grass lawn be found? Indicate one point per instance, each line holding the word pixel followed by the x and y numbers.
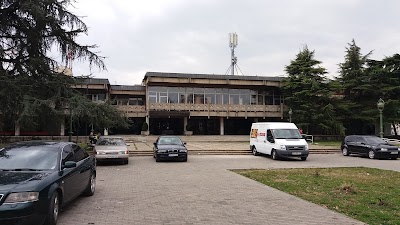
pixel 369 195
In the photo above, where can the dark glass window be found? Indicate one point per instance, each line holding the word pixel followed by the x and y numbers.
pixel 67 154
pixel 79 153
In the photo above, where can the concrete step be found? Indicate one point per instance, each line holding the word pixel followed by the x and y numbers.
pixel 228 152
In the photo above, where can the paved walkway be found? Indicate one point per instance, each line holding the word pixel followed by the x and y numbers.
pixel 203 191
pixel 209 142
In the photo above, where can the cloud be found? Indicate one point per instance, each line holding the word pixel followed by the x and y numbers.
pixel 192 36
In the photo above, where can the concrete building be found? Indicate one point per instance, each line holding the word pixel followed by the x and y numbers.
pixel 170 103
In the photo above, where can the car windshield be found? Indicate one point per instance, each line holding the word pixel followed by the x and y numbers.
pixel 169 141
pixel 286 133
pixel 118 142
pixel 23 158
pixel 374 140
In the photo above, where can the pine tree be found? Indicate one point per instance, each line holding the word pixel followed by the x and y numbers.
pixel 307 93
pixel 30 83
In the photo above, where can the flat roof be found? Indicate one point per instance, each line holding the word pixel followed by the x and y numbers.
pixel 211 76
pixel 128 87
pixel 93 80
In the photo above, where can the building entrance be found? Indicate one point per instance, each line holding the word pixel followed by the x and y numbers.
pixel 168 126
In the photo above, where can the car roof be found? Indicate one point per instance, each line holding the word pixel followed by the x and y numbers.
pixel 169 136
pixel 57 144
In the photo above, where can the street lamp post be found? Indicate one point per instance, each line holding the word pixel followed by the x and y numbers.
pixel 380 104
pixel 290 115
pixel 70 125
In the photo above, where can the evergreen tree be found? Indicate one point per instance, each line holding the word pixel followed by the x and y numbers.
pixel 30 82
pixel 357 92
pixel 307 92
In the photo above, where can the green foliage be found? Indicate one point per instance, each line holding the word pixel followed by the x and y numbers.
pixel 32 89
pixel 308 94
pixel 145 126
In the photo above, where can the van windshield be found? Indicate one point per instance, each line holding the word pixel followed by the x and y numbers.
pixel 286 133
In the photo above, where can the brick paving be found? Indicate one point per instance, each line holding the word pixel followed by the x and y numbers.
pixel 203 191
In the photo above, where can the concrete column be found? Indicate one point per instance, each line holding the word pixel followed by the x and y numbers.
pixel 105 131
pixel 221 126
pixel 17 131
pixel 62 128
pixel 185 121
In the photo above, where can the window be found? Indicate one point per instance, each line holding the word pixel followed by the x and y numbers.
pixel 79 153
pixel 152 96
pixel 162 97
pixel 173 97
pixel 67 154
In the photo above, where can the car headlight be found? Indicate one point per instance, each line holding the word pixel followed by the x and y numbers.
pixel 22 197
pixel 123 152
pixel 306 147
pixel 283 147
pixel 398 149
pixel 384 149
pixel 100 153
pixel 161 151
pixel 183 150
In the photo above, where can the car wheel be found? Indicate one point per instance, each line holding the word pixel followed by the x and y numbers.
pixel 275 155
pixel 371 154
pixel 126 161
pixel 255 153
pixel 54 209
pixel 157 159
pixel 91 188
pixel 345 152
pixel 184 159
pixel 303 158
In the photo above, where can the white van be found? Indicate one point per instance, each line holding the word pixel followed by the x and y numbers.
pixel 278 140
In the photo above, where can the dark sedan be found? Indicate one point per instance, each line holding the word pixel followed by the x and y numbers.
pixel 371 146
pixel 38 178
pixel 169 148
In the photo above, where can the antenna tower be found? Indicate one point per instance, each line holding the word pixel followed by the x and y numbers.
pixel 233 42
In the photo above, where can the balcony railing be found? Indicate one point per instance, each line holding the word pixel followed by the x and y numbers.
pixel 131 108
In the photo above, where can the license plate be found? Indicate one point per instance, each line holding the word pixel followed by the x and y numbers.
pixel 296 153
pixel 112 156
pixel 394 153
pixel 172 155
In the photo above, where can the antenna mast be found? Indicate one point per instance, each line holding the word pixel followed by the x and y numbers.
pixel 233 42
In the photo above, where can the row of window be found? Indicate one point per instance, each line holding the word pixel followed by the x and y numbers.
pixel 213 96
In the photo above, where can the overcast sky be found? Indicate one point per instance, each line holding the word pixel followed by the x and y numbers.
pixel 191 36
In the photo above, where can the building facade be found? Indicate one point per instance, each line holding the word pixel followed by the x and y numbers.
pixel 173 103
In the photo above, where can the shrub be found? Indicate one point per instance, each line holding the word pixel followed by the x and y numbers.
pixel 145 126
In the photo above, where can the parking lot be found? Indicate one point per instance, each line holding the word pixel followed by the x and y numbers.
pixel 203 191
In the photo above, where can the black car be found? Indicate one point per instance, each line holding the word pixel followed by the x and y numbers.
pixel 169 147
pixel 371 146
pixel 38 178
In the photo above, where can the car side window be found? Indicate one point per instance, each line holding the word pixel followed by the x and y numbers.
pixel 79 153
pixel 67 154
pixel 269 135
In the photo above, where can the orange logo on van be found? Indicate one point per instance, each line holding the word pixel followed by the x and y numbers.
pixel 254 133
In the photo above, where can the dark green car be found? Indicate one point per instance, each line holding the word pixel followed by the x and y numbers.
pixel 38 178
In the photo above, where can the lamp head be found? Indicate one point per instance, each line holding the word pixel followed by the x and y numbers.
pixel 380 104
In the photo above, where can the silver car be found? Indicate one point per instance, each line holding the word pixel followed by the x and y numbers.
pixel 111 149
